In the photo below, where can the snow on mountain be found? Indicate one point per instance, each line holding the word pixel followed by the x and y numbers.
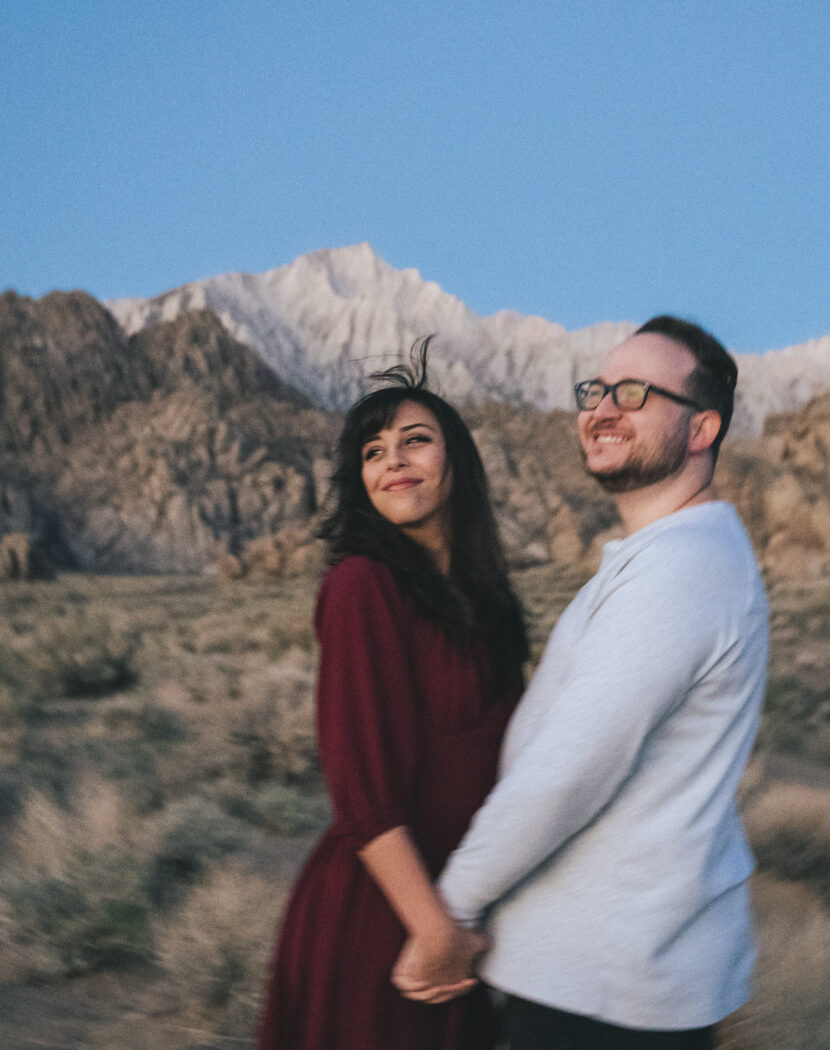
pixel 329 318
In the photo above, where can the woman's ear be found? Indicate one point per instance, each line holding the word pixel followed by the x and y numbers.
pixel 705 427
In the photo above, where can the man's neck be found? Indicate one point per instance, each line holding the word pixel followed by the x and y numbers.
pixel 644 506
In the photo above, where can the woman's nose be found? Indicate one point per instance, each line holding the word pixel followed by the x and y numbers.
pixel 396 457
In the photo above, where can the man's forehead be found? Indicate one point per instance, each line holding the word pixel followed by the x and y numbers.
pixel 648 356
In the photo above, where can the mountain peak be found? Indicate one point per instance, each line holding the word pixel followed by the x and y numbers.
pixel 330 317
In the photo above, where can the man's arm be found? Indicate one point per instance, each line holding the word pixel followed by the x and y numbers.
pixel 633 664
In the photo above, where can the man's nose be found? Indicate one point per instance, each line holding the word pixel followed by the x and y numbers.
pixel 607 406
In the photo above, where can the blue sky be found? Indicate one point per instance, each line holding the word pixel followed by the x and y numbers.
pixel 585 160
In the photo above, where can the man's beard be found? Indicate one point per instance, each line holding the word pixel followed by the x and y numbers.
pixel 644 467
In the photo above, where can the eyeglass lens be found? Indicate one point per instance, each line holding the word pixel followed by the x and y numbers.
pixel 629 393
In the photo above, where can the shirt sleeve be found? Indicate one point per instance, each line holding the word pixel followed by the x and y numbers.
pixel 366 699
pixel 631 667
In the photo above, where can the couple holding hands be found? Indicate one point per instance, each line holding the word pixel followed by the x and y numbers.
pixel 561 866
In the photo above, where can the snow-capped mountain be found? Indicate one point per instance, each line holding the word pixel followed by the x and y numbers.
pixel 329 318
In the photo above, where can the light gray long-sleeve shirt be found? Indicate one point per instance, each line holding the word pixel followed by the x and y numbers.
pixel 609 859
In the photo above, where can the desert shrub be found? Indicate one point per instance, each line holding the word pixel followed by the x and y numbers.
pixel 273 735
pixel 288 809
pixel 232 632
pixel 214 949
pixel 147 720
pixel 13 707
pixel 286 636
pixel 15 686
pixel 84 655
pixel 11 796
pixel 212 683
pixel 92 916
pixel 196 833
pixel 754 780
pixel 45 765
pixel 252 755
pixel 48 831
pixel 789 828
pixel 12 665
pixel 790 1006
pixel 284 809
pixel 213 634
pixel 71 899
pixel 132 765
pixel 797 718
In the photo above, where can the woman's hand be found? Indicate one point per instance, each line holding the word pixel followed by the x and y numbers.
pixel 436 963
pixel 435 970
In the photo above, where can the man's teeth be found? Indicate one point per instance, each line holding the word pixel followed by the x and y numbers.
pixel 609 439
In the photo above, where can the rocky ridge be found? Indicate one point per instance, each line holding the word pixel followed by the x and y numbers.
pixel 329 317
pixel 177 449
pixel 163 451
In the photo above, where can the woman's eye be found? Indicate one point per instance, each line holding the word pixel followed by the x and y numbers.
pixel 370 453
pixel 417 438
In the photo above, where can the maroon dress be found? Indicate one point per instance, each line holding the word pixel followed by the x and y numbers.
pixel 406 737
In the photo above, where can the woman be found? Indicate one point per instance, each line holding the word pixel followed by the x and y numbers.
pixel 421 643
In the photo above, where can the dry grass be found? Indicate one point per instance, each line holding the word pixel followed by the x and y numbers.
pixel 790 1009
pixel 70 889
pixel 214 952
pixel 85 652
pixel 45 833
pixel 157 761
pixel 789 827
pixel 156 739
pixel 797 718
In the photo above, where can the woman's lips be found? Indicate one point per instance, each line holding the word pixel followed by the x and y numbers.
pixel 401 483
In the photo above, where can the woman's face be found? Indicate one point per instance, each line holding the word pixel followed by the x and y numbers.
pixel 407 476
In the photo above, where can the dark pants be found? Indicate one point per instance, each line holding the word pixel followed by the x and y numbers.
pixel 529 1026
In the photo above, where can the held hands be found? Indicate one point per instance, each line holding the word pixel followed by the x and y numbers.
pixel 435 970
pixel 436 963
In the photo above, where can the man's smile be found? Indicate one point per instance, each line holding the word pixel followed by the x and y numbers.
pixel 609 439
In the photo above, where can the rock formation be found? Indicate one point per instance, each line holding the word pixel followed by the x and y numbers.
pixel 64 364
pixel 328 318
pixel 159 452
pixel 177 448
pixel 796 503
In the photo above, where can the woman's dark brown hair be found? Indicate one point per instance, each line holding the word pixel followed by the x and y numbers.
pixel 476 596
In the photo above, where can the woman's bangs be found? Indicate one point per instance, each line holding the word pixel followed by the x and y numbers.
pixel 375 413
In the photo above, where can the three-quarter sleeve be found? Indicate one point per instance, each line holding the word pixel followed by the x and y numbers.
pixel 367 704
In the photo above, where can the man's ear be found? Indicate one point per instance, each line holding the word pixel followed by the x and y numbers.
pixel 704 428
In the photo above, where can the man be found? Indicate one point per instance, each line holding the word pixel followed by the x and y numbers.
pixel 609 861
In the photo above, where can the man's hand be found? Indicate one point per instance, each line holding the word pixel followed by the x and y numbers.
pixel 437 971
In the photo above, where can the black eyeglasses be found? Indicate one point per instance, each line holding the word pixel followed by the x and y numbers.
pixel 629 394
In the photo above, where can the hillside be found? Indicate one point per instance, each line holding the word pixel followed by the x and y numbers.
pixel 162 451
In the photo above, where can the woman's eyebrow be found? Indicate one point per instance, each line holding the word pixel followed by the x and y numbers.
pixel 409 426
